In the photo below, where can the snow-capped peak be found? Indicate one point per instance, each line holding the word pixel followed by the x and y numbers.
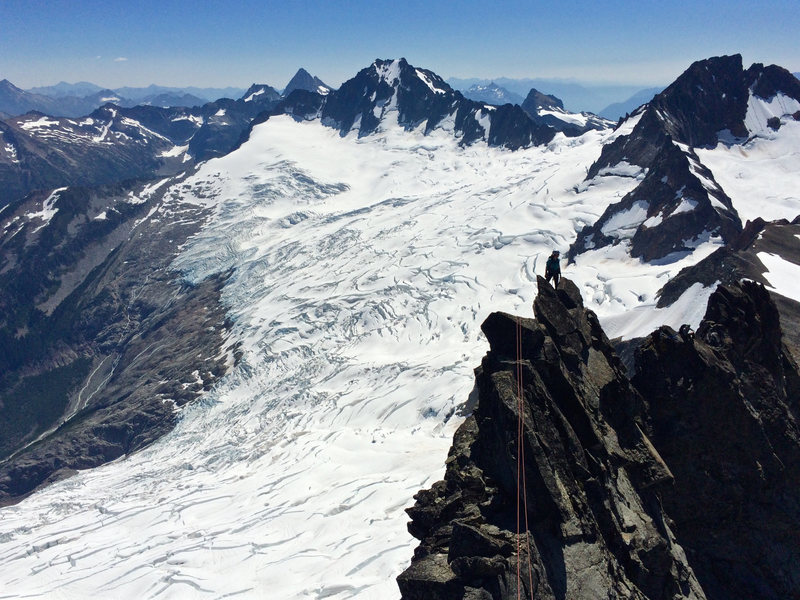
pixel 388 71
pixel 393 92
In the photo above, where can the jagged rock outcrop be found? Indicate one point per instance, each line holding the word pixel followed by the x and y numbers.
pixel 536 100
pixel 260 93
pixel 672 210
pixel 548 110
pixel 394 90
pixel 710 97
pixel 740 260
pixel 592 525
pixel 679 204
pixel 725 416
pixel 680 484
pixel 303 80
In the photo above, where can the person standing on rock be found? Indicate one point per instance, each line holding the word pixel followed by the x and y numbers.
pixel 552 269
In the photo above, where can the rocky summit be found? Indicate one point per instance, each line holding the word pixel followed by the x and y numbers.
pixel 395 91
pixel 571 481
pixel 724 414
pixel 679 201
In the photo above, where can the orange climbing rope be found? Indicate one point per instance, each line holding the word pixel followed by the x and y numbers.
pixel 521 478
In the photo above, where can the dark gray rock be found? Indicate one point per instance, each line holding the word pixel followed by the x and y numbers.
pixel 670 186
pixel 711 96
pixel 303 80
pixel 724 414
pixel 739 260
pixel 548 110
pixel 680 484
pixel 591 521
pixel 421 99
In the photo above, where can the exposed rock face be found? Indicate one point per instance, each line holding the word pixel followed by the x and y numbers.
pixel 725 416
pixel 676 210
pixel 100 340
pixel 682 484
pixel 536 100
pixel 740 260
pixel 709 97
pixel 679 203
pixel 112 144
pixel 545 109
pixel 303 80
pixel 592 526
pixel 260 93
pixel 414 98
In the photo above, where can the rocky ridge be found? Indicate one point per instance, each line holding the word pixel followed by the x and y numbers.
pixel 707 103
pixel 740 260
pixel 548 110
pixel 100 340
pixel 723 412
pixel 413 98
pixel 112 144
pixel 620 500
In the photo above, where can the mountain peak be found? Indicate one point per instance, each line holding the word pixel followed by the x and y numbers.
pixel 492 94
pixel 303 80
pixel 260 92
pixel 537 99
pixel 713 100
pixel 390 70
pixel 5 83
pixel 393 91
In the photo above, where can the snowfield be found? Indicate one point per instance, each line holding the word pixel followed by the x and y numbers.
pixel 761 176
pixel 362 270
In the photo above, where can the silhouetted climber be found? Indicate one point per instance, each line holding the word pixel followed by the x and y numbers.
pixel 552 269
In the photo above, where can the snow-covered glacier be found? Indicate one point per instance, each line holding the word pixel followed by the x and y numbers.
pixel 360 272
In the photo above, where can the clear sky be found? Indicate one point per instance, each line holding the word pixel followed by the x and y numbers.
pixel 234 43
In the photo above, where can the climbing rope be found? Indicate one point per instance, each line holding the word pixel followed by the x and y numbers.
pixel 521 477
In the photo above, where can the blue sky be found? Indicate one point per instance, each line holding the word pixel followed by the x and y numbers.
pixel 209 43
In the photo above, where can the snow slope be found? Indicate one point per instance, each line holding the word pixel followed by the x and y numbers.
pixel 363 269
pixel 761 175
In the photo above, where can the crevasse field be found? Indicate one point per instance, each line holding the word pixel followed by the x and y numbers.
pixel 363 269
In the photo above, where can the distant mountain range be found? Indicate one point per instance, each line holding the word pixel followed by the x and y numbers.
pixel 16 101
pixel 492 93
pixel 620 109
pixel 316 292
pixel 85 88
pixel 116 141
pixel 79 99
pixel 577 97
